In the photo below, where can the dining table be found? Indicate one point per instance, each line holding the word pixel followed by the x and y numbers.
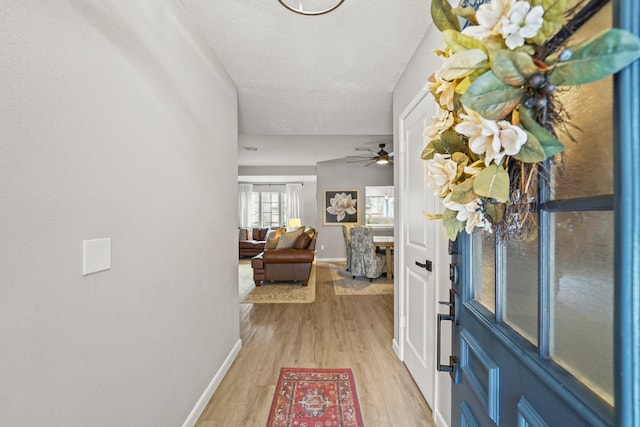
pixel 386 242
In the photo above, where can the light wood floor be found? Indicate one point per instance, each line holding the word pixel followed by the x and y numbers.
pixel 333 332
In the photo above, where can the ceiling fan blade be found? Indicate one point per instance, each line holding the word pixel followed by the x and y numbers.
pixel 391 154
pixel 369 164
pixel 361 157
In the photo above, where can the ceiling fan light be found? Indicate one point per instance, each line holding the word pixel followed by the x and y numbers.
pixel 382 161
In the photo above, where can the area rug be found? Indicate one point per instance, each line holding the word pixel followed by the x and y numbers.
pixel 315 397
pixel 345 284
pixel 273 292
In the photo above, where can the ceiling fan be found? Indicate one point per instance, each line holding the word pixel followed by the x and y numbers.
pixel 381 157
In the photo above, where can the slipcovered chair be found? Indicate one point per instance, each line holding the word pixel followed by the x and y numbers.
pixel 346 233
pixel 364 259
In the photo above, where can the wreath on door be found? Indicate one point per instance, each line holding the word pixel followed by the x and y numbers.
pixel 487 148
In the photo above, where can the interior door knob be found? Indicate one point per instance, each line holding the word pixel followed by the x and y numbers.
pixel 428 265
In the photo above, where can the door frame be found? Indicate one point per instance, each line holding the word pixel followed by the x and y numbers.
pixel 627 231
pixel 441 388
pixel 400 155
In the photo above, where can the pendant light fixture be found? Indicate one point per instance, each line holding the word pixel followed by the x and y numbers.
pixel 311 7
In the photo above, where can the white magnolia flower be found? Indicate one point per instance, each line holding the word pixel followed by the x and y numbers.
pixel 455 67
pixel 341 205
pixel 489 16
pixel 472 170
pixel 494 139
pixel 521 23
pixel 441 171
pixel 446 90
pixel 471 214
pixel 440 124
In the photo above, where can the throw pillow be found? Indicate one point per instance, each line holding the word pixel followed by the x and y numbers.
pixel 302 241
pixel 272 239
pixel 243 234
pixel 287 239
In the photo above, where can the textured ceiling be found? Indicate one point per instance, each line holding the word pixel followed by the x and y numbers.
pixel 308 76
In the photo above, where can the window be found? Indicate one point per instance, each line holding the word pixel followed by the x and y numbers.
pixel 379 205
pixel 268 206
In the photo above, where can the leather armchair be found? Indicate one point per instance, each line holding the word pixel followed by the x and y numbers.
pixel 253 241
pixel 292 264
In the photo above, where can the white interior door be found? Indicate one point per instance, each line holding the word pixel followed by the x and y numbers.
pixel 418 242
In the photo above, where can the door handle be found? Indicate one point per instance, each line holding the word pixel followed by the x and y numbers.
pixel 452 367
pixel 428 265
pixel 441 367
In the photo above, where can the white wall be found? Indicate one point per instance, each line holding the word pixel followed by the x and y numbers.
pixel 411 83
pixel 116 121
pixel 338 174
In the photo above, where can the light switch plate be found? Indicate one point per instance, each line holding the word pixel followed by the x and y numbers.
pixel 96 255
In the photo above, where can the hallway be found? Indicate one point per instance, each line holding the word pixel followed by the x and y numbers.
pixel 332 332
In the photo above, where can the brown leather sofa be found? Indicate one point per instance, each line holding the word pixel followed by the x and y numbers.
pixel 252 241
pixel 287 264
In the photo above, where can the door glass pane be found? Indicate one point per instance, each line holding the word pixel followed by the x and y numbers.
pixel 484 280
pixel 582 297
pixel 521 287
pixel 587 167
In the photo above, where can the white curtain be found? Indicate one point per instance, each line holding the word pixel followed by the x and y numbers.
pixel 294 200
pixel 244 204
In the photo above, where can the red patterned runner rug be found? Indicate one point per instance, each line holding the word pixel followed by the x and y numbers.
pixel 315 398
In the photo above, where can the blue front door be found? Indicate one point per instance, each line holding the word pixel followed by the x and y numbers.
pixel 545 329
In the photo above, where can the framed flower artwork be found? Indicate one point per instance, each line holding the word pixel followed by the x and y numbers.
pixel 340 207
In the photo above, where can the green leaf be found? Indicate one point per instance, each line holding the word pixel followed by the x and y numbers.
pixel 459 42
pixel 492 182
pixel 513 68
pixel 463 63
pixel 550 145
pixel 531 151
pixel 431 216
pixel 443 17
pixel 463 193
pixel 464 84
pixel 461 160
pixel 467 13
pixel 597 58
pixel 451 142
pixel 448 143
pixel 429 150
pixel 452 225
pixel 491 98
pixel 527 48
pixel 553 18
pixel 494 210
pixel 495 42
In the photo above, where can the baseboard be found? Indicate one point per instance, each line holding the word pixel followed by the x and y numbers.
pixel 439 420
pixel 396 348
pixel 213 385
pixel 331 259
